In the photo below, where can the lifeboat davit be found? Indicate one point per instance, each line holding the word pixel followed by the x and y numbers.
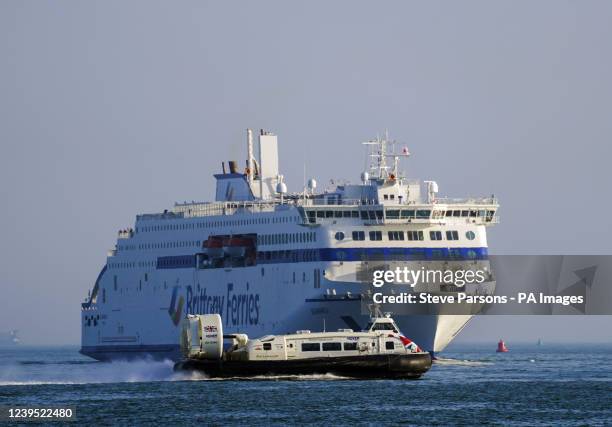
pixel 501 347
pixel 236 246
pixel 214 247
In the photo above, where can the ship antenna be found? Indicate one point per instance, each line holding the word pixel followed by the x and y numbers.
pixel 304 182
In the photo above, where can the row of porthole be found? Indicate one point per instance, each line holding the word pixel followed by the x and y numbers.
pixel 470 235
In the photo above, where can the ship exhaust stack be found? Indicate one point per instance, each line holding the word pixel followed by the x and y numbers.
pixel 233 167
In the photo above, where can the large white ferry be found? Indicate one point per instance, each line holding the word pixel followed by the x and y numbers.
pixel 271 262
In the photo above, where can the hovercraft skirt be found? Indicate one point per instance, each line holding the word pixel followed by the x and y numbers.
pixel 367 366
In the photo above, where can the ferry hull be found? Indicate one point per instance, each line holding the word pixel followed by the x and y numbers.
pixel 280 306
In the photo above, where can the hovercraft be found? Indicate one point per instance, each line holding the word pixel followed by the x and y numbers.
pixel 381 351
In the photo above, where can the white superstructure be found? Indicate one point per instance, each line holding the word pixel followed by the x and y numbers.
pixel 269 261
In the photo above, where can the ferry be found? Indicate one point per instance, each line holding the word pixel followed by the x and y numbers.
pixel 381 351
pixel 269 261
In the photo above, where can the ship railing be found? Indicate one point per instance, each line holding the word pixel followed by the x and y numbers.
pixel 183 210
pixel 228 208
pixel 466 201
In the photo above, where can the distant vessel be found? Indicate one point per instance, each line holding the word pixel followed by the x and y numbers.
pixel 9 338
pixel 380 351
pixel 540 342
pixel 501 347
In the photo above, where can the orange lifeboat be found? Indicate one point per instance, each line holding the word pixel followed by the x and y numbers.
pixel 214 247
pixel 236 246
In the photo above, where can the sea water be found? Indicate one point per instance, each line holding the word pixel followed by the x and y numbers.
pixel 470 384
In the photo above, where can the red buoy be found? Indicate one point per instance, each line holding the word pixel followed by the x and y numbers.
pixel 501 347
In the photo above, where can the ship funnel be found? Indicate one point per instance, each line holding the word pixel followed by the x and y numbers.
pixel 365 177
pixel 233 166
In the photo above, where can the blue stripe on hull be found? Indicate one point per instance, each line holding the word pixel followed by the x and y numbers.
pixel 343 254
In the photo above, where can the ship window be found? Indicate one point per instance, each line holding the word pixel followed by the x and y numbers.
pixel 465 213
pixel 393 214
pixel 267 346
pixel 389 345
pixel 364 214
pixel 396 235
pixel 349 346
pixel 358 235
pixel 379 214
pixel 337 214
pixel 346 214
pixel 311 346
pixel 320 214
pixel 355 214
pixel 339 235
pixel 384 326
pixel 449 213
pixel 332 346
pixel 386 197
pixel 452 235
pixel 423 213
pixel 375 235
pixel 415 235
pixel 470 235
pixel 408 213
pixel 329 214
pixel 435 235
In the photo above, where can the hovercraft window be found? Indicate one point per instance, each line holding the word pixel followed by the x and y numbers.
pixel 358 235
pixel 311 346
pixel 267 346
pixel 383 327
pixel 350 346
pixel 332 346
pixel 389 345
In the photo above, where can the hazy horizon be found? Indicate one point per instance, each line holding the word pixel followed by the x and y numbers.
pixel 113 109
